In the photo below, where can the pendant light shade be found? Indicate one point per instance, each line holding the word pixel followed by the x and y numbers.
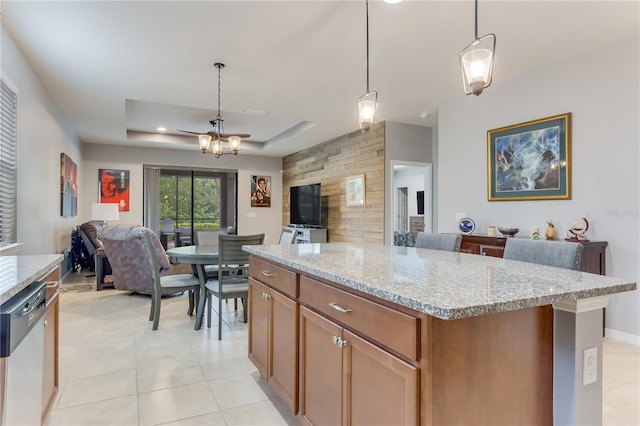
pixel 367 109
pixel 476 62
pixel 368 102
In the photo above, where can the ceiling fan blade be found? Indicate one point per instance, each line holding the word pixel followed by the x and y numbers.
pixel 192 133
pixel 242 135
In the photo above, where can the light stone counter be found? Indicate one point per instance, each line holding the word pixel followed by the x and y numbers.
pixel 442 284
pixel 17 272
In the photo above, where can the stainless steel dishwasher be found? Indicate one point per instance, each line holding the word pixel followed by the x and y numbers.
pixel 22 344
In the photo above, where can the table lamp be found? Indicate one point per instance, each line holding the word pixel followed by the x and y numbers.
pixel 104 212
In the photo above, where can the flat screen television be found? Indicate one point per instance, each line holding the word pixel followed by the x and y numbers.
pixel 305 203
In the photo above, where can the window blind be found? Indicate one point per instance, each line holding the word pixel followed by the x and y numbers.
pixel 8 163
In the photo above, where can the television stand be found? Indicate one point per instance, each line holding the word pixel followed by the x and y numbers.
pixel 309 235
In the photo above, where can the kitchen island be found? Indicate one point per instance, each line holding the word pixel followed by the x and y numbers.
pixel 371 334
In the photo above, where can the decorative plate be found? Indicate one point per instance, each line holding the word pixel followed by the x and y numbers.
pixel 466 225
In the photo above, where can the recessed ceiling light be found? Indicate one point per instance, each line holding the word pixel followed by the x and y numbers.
pixel 251 111
pixel 392 1
pixel 162 129
pixel 424 115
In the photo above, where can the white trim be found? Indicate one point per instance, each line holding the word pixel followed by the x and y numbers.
pixel 583 305
pixel 11 249
pixel 621 336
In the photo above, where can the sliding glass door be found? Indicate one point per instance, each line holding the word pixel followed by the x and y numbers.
pixel 192 200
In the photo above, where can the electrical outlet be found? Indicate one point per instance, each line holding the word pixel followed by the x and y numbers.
pixel 590 366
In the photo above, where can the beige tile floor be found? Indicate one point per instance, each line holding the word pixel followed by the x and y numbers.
pixel 114 370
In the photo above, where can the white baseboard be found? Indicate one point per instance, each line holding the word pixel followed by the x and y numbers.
pixel 622 336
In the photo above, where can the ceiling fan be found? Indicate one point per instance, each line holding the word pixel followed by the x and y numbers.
pixel 217 135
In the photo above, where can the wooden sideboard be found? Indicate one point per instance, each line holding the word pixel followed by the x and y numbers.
pixel 593 256
pixel 416 224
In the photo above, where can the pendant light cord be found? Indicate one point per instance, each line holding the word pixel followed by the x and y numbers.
pixel 476 19
pixel 367 3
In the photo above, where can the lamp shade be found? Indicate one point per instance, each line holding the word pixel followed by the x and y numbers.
pixel 367 109
pixel 104 211
pixel 476 63
pixel 204 141
pixel 234 142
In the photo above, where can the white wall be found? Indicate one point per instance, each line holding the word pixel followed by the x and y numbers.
pixel 250 220
pixel 43 134
pixel 601 89
pixel 402 142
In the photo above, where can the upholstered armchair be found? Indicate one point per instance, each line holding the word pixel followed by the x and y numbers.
pixel 129 263
pixel 88 232
pixel 183 236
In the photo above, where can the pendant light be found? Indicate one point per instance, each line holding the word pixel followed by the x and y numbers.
pixel 369 101
pixel 476 61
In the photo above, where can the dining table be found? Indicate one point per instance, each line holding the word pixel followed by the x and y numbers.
pixel 198 256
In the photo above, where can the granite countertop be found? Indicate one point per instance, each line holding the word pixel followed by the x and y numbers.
pixel 443 284
pixel 17 272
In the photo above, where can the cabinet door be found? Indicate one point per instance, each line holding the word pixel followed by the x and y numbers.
pixel 472 248
pixel 50 355
pixel 258 326
pixel 493 251
pixel 283 348
pixel 379 388
pixel 320 370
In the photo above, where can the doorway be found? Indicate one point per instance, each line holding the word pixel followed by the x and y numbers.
pixel 402 209
pixel 416 178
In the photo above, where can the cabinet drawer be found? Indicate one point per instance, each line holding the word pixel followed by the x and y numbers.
pixel 493 251
pixel 274 276
pixel 393 329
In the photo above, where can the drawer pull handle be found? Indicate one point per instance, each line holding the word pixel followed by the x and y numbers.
pixel 267 274
pixel 335 340
pixel 342 343
pixel 339 308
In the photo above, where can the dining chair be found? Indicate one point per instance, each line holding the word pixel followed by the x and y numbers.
pixel 209 239
pixel 233 274
pixel 288 236
pixel 168 284
pixel 561 254
pixel 433 241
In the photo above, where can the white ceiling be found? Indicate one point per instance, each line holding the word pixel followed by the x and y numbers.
pixel 120 69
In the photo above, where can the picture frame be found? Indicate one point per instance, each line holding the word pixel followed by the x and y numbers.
pixel 113 187
pixel 355 190
pixel 68 186
pixel 530 160
pixel 260 191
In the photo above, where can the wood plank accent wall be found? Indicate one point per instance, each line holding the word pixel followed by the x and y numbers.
pixel 330 163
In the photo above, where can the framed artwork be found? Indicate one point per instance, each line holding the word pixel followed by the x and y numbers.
pixel 355 190
pixel 260 191
pixel 113 187
pixel 530 161
pixel 68 186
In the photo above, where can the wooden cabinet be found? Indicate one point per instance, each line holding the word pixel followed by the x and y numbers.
pixel 593 256
pixel 369 381
pixel 273 329
pixel 416 224
pixel 50 381
pixel 345 379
